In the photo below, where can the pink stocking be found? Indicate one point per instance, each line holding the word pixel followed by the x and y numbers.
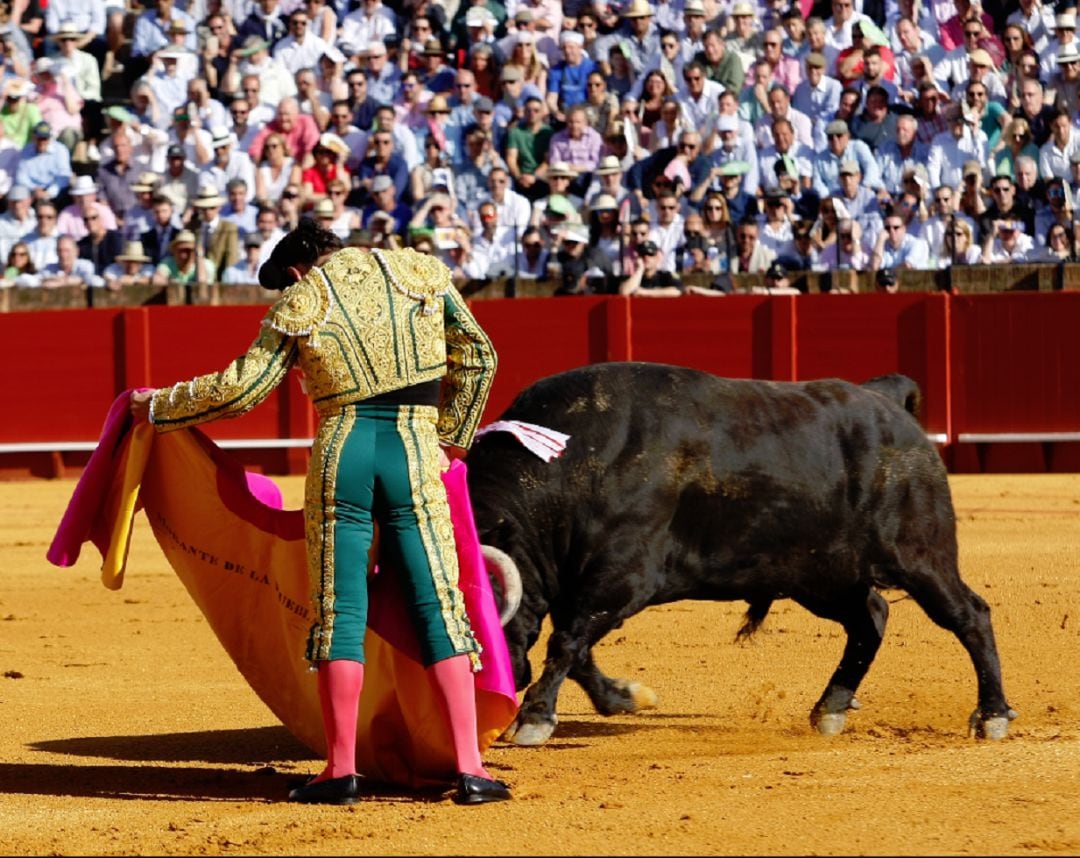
pixel 340 682
pixel 454 679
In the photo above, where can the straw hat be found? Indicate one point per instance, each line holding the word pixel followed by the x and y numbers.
pixel 184 237
pixel 323 208
pixel 437 104
pixel 330 140
pixel 638 9
pixel 133 252
pixel 208 198
pixel 147 182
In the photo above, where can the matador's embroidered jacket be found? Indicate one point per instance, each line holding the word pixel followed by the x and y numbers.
pixel 360 325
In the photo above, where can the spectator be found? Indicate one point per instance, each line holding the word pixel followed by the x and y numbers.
pixel 187 133
pixel 42 241
pixel 265 22
pixel 118 175
pixel 964 141
pixel 1056 153
pixel 268 226
pixel 301 48
pixel 751 256
pixel 384 202
pixel 20 117
pixel 744 39
pixel 59 101
pixel 492 251
pixel 1006 243
pixel 69 269
pixel 780 109
pixel 245 272
pixel 277 169
pixel 1061 245
pixel 668 228
pixel 1005 206
pixel 531 260
pixel 875 125
pixel 342 124
pixel 383 76
pixel 885 281
pixel 777 225
pixel 721 65
pixel 219 239
pixel 647 278
pixel 19 269
pixel 560 176
pixel 131 267
pixel 162 231
pixel 637 35
pixel 776 282
pixel 150 35
pixel 826 179
pixel 183 265
pixel 526 151
pixel 1058 210
pixel 1035 110
pixel 601 105
pixel 100 245
pixel 238 208
pixel 18 221
pixel 180 181
pixel 859 201
pixel 898 155
pixel 895 248
pixel 582 269
pixel 45 166
pixel 244 123
pixel 371 22
pixel 817 97
pixel 84 197
pixel 382 161
pixel 958 245
pixel 435 74
pixel 329 154
pixel 300 132
pixel 229 164
pixel 567 79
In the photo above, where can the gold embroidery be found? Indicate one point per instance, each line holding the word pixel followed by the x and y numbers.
pixel 320 522
pixel 415 426
pixel 355 335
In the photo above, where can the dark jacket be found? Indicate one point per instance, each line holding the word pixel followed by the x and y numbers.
pixel 102 254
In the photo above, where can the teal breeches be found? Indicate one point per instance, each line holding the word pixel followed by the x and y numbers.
pixel 379 464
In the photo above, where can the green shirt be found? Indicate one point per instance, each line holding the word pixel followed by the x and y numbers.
pixel 532 147
pixel 168 266
pixel 19 124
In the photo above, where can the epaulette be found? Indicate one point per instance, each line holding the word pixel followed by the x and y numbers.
pixel 417 275
pixel 302 307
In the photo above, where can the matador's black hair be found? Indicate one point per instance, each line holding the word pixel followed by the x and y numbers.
pixel 302 246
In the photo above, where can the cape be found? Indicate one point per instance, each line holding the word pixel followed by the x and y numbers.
pixel 241 557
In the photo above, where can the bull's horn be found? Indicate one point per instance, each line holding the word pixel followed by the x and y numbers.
pixel 504 569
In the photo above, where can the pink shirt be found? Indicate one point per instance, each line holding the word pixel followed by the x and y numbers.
pixel 583 152
pixel 298 142
pixel 70 222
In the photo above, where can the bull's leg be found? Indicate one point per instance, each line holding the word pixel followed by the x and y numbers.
pixel 863 614
pixel 569 653
pixel 611 696
pixel 950 603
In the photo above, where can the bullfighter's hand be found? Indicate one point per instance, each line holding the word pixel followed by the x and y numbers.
pixel 140 404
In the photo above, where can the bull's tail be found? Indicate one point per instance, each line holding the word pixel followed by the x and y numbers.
pixel 755 616
pixel 900 389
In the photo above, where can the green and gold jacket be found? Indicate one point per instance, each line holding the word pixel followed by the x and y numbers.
pixel 360 325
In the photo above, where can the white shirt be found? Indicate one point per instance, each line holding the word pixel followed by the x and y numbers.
pixel 945 164
pixel 296 55
pixel 1054 161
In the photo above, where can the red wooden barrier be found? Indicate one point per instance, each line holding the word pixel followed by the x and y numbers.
pixel 988 365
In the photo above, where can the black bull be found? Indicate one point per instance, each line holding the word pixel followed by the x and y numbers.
pixel 676 484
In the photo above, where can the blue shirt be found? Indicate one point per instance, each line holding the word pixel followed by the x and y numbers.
pixel 150 36
pixel 569 81
pixel 50 170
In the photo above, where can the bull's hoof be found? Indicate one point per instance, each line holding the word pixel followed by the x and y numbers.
pixel 994 729
pixel 641 696
pixel 530 735
pixel 828 723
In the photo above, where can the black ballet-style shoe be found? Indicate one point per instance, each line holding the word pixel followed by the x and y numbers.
pixel 472 789
pixel 343 790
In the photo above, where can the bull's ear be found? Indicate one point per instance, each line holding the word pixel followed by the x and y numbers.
pixel 504 574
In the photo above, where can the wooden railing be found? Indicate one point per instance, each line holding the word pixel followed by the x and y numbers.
pixel 962 279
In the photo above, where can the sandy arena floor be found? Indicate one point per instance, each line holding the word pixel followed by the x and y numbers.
pixel 126 729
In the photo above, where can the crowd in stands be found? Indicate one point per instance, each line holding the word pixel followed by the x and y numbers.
pixel 613 147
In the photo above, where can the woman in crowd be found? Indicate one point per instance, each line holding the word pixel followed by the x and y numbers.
pixel 1061 245
pixel 20 269
pixel 482 63
pixel 666 130
pixel 531 63
pixel 654 92
pixel 277 170
pixel 329 154
pixel 605 231
pixel 1015 140
pixel 436 164
pixel 959 247
pixel 717 229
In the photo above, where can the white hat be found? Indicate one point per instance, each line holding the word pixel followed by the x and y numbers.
pixel 478 16
pixel 221 137
pixel 609 164
pixel 330 140
pixel 560 168
pixel 1065 21
pixel 568 36
pixel 1068 54
pixel 171 53
pixel 727 122
pixel 576 232
pixel 43 65
pixel 83 185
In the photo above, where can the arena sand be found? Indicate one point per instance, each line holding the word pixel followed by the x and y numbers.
pixel 127 730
